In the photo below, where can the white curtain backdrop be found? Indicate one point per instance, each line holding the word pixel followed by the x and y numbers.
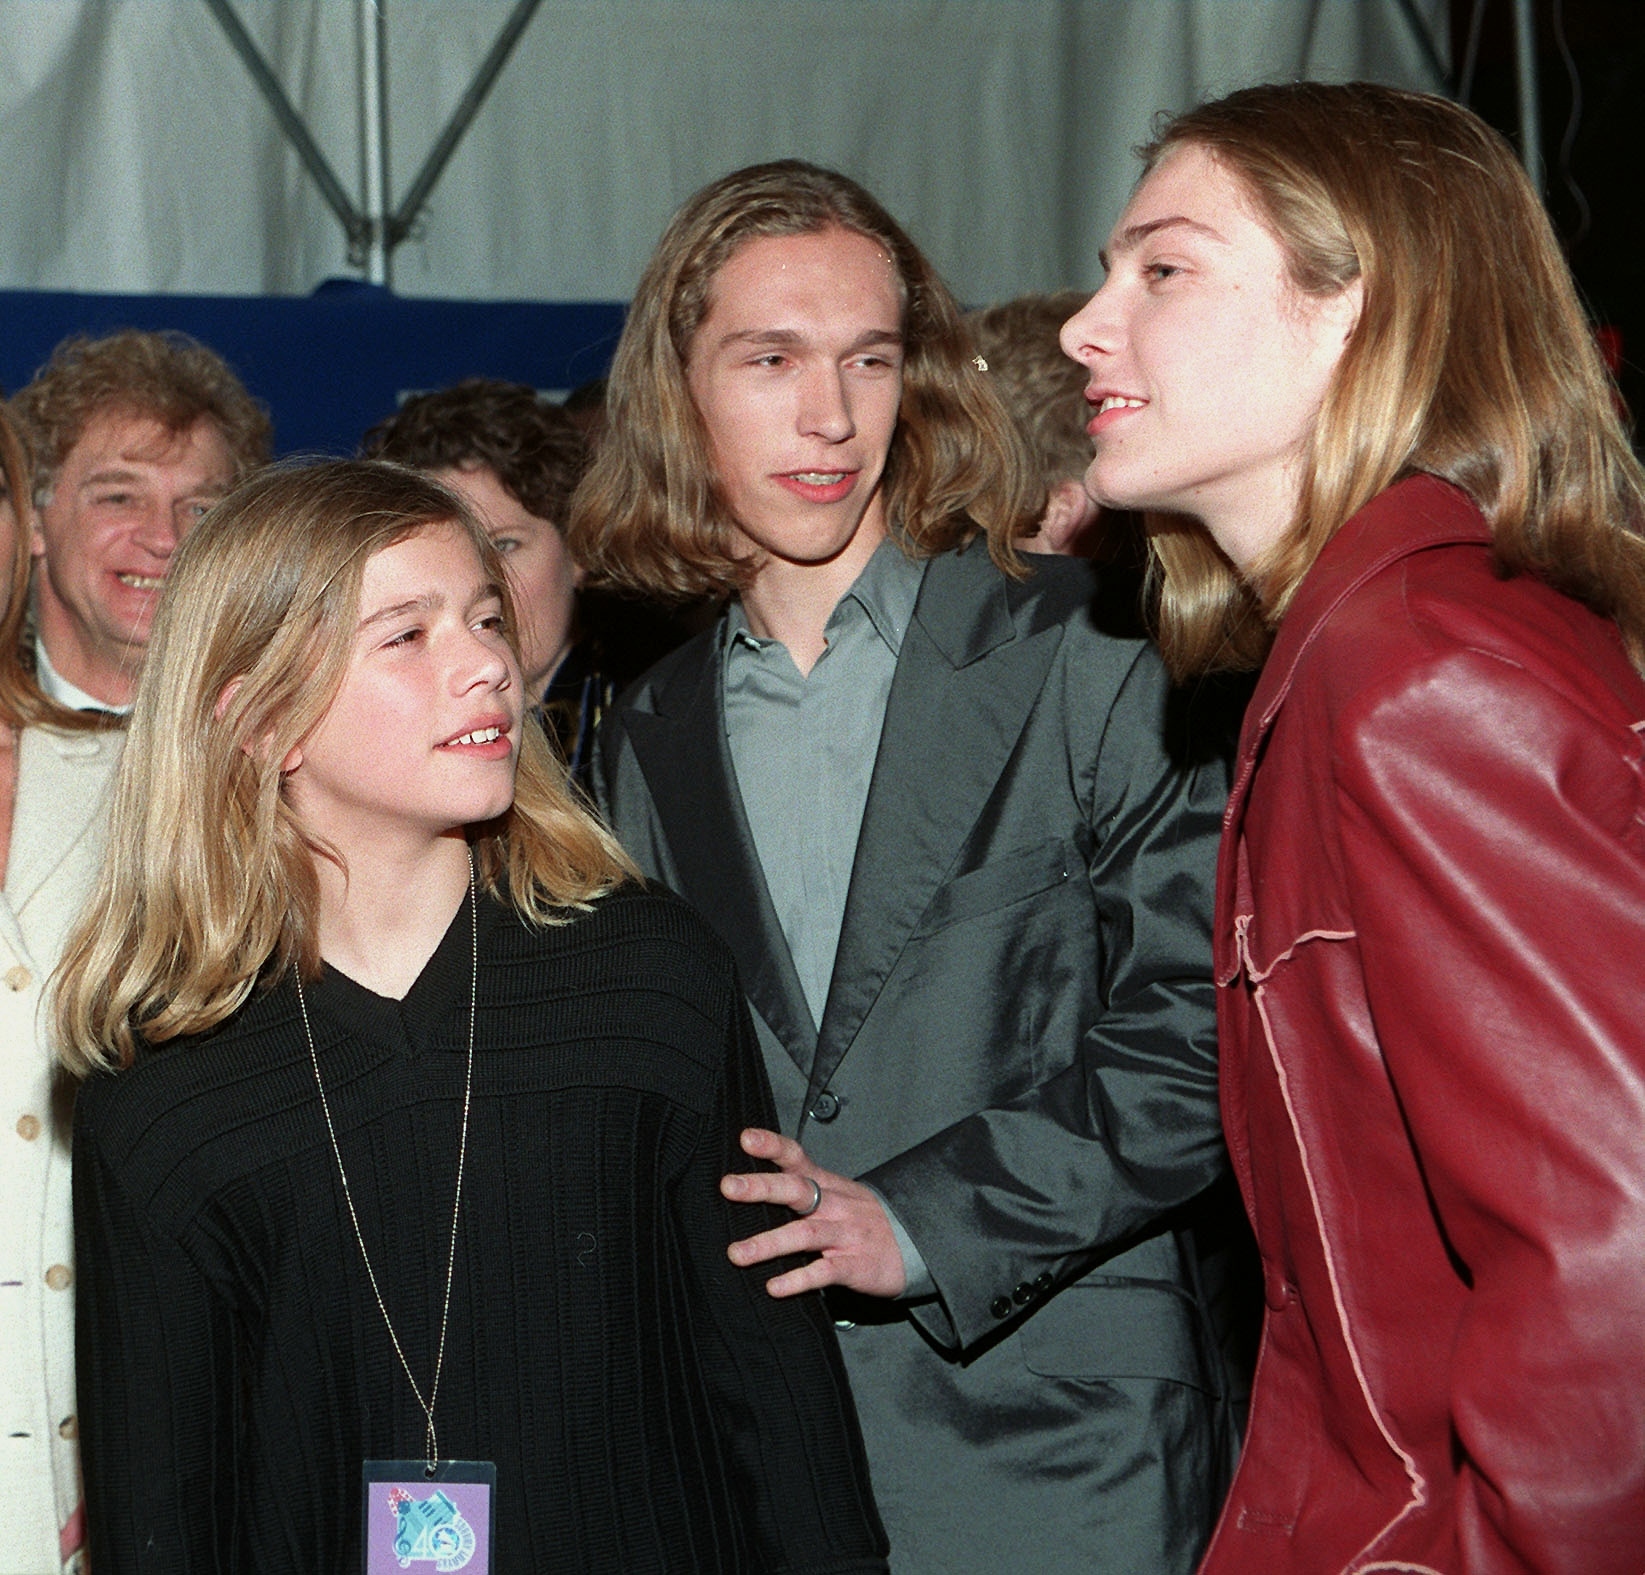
pixel 138 157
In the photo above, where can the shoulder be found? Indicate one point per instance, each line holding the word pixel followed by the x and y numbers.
pixel 1439 683
pixel 682 667
pixel 640 947
pixel 968 603
pixel 60 752
pixel 1443 630
pixel 186 1095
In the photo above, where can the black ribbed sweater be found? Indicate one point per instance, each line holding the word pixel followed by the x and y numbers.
pixel 648 1406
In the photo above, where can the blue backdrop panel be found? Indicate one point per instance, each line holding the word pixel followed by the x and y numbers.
pixel 330 364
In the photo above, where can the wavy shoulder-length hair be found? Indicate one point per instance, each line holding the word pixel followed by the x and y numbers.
pixel 209 882
pixel 1471 358
pixel 22 702
pixel 649 517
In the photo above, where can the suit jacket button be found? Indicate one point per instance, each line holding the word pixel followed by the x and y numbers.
pixel 1000 1307
pixel 1043 1284
pixel 1023 1294
pixel 826 1107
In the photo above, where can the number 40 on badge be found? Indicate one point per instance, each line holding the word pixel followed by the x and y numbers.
pixel 416 1519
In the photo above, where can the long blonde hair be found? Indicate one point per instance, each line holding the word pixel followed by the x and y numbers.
pixel 209 882
pixel 648 516
pixel 1471 358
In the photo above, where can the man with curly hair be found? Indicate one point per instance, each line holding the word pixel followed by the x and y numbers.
pixel 132 436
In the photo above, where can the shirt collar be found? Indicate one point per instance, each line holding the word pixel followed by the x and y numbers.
pixel 66 694
pixel 886 590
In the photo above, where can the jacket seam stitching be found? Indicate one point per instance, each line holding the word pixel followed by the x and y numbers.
pixel 1419 1488
pixel 1260 975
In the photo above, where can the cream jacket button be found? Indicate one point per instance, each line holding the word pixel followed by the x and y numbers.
pixel 18 978
pixel 58 1276
pixel 69 1427
pixel 28 1128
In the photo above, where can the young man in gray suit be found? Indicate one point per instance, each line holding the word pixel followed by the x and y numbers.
pixel 931 807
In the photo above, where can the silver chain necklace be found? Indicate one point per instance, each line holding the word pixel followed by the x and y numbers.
pixel 431 1439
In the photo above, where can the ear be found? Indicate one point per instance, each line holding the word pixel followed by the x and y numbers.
pixel 1069 510
pixel 226 698
pixel 294 755
pixel 1344 309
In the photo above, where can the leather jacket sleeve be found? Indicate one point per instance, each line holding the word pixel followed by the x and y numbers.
pixel 1493 842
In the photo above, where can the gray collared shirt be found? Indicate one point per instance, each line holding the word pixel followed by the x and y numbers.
pixel 803 749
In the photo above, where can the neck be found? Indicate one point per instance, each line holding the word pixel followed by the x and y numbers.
pixel 373 928
pixel 111 683
pixel 1249 523
pixel 536 683
pixel 792 602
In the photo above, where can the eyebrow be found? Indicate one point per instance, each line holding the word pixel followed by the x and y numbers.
pixel 215 486
pixel 1133 235
pixel 101 478
pixel 429 601
pixel 792 336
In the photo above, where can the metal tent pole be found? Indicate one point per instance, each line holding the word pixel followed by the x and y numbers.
pixel 374 179
pixel 375 231
pixel 1525 79
pixel 462 118
pixel 291 123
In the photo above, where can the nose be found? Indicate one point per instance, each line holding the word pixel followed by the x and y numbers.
pixel 161 527
pixel 825 406
pixel 483 661
pixel 1090 331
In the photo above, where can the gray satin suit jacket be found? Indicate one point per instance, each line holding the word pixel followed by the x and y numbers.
pixel 1018 1051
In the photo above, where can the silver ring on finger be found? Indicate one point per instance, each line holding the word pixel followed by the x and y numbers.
pixel 816 1200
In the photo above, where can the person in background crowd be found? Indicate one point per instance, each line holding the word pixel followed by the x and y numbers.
pixel 132 437
pixel 1045 393
pixel 54 767
pixel 1340 350
pixel 932 809
pixel 515 459
pixel 411 1160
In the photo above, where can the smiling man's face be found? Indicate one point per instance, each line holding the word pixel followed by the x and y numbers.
pixel 126 494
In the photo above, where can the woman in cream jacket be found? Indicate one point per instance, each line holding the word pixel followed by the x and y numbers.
pixel 54 766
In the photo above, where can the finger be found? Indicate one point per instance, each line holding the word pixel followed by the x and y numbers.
pixel 802 1194
pixel 782 1151
pixel 817 1275
pixel 785 1240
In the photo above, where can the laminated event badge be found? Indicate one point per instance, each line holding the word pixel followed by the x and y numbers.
pixel 424 1522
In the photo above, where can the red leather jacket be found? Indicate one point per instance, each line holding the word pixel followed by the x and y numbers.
pixel 1431 947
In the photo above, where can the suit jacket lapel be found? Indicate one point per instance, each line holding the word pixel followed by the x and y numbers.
pixel 683 753
pixel 964 686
